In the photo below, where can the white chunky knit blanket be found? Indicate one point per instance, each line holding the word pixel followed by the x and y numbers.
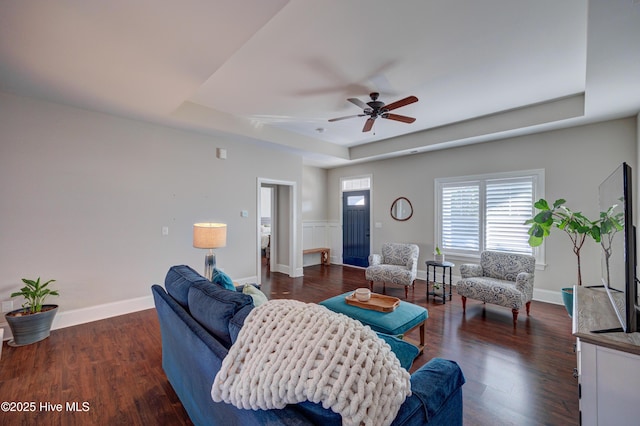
pixel 288 352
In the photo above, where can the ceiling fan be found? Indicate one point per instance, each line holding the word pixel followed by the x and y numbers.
pixel 376 108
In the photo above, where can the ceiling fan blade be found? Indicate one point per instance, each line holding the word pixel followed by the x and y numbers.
pixel 358 102
pixel 402 102
pixel 368 125
pixel 348 116
pixel 397 117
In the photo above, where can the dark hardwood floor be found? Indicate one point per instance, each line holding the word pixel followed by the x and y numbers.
pixel 519 376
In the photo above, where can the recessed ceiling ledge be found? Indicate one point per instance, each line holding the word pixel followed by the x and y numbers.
pixel 209 120
pixel 519 118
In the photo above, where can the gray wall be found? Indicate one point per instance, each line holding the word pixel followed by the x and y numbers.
pixel 85 196
pixel 314 194
pixel 575 160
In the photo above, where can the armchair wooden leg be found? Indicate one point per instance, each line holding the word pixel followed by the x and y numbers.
pixel 464 304
pixel 528 305
pixel 406 291
pixel 515 317
pixel 371 285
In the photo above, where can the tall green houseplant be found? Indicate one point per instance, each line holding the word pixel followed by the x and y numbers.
pixel 574 224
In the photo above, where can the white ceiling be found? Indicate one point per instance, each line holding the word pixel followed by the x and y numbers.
pixel 275 71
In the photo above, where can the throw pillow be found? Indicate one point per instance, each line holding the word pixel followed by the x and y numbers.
pixel 258 297
pixel 223 280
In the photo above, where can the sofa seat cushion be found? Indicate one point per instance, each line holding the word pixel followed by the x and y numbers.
pixel 213 307
pixel 491 290
pixel 179 280
pixel 394 274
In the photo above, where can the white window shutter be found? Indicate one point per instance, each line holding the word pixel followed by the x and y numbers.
pixel 460 221
pixel 509 203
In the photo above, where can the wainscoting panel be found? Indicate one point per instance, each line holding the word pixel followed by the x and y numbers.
pixel 317 234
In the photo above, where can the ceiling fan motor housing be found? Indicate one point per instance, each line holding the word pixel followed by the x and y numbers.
pixel 375 104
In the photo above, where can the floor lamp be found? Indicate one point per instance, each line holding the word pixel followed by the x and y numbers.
pixel 209 236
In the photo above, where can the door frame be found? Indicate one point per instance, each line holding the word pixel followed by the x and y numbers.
pixel 293 225
pixel 340 206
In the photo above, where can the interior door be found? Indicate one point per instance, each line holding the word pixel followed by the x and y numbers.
pixel 355 228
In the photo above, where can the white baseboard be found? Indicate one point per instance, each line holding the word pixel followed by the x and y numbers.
pixel 93 313
pixel 548 296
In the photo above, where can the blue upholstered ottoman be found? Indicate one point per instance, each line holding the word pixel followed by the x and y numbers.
pixel 403 319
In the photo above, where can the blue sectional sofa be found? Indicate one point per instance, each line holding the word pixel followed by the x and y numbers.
pixel 199 321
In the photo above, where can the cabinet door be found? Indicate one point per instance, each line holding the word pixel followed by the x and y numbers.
pixel 618 379
pixel 587 367
pixel 609 382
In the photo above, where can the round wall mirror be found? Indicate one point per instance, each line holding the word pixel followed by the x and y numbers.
pixel 401 209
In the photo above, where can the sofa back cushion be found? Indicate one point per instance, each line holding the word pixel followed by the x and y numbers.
pixel 213 307
pixel 179 280
pixel 237 321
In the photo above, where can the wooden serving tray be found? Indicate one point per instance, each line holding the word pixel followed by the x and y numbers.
pixel 377 302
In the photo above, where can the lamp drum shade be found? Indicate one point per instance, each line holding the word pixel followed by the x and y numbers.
pixel 209 235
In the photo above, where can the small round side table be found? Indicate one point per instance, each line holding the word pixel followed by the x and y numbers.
pixel 432 264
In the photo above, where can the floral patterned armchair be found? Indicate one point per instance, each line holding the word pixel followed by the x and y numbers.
pixel 504 279
pixel 398 264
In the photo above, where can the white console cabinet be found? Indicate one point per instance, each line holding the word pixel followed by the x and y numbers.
pixel 608 363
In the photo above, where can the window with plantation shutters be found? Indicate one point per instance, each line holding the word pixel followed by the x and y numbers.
pixel 509 203
pixel 487 212
pixel 460 217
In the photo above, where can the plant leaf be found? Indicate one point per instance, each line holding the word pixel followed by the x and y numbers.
pixel 541 204
pixel 559 202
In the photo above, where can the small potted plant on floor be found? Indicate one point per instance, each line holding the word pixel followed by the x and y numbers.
pixel 574 224
pixel 32 322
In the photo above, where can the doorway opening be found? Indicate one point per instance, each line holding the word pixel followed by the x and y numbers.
pixel 276 226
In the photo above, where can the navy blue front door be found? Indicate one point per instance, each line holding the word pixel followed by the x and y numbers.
pixel 355 228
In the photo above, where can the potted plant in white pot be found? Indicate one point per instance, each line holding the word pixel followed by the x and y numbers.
pixel 32 322
pixel 574 224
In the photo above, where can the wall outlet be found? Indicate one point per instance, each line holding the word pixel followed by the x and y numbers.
pixel 7 305
pixel 165 231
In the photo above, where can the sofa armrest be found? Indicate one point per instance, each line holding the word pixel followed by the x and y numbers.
pixel 524 283
pixel 469 270
pixel 375 259
pixel 436 395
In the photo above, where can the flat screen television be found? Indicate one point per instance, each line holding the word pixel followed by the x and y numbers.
pixel 618 244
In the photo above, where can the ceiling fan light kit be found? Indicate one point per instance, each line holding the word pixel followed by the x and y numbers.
pixel 375 108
